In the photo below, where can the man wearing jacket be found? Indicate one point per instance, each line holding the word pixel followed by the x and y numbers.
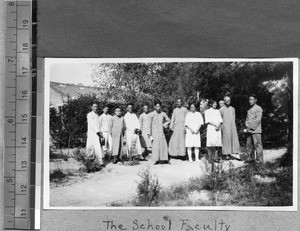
pixel 253 130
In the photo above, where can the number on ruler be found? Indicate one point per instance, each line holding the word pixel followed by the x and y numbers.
pixel 25 23
pixel 10 121
pixel 25 46
pixel 23 212
pixel 23 188
pixel 24 140
pixel 24 117
pixel 24 164
pixel 24 93
pixel 24 69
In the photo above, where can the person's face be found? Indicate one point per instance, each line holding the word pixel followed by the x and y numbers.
pixel 95 108
pixel 221 103
pixel 227 101
pixel 145 108
pixel 179 103
pixel 158 107
pixel 214 105
pixel 192 108
pixel 118 112
pixel 105 110
pixel 129 108
pixel 252 100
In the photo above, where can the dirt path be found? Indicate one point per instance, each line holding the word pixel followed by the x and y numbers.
pixel 119 182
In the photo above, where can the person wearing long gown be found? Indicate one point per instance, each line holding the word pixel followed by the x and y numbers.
pixel 193 123
pixel 177 141
pixel 93 146
pixel 116 130
pixel 230 139
pixel 144 123
pixel 214 121
pixel 103 123
pixel 158 120
pixel 133 146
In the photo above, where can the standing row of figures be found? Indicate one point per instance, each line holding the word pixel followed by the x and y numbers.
pixel 146 133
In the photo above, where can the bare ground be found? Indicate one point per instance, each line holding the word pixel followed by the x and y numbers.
pixel 119 182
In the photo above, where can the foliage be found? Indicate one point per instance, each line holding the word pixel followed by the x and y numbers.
pixel 148 189
pixel 90 162
pixel 68 123
pixel 236 187
pixel 57 176
pixel 141 83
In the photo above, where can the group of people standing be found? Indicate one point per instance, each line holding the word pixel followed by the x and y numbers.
pixel 146 133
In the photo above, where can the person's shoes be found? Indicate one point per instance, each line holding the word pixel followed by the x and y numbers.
pixel 237 157
pixel 115 160
pixel 190 160
pixel 249 160
pixel 198 160
pixel 156 163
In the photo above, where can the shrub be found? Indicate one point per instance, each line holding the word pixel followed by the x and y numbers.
pixel 57 176
pixel 90 162
pixel 148 189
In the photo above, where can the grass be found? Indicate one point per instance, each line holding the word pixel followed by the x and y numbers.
pixel 67 171
pixel 254 184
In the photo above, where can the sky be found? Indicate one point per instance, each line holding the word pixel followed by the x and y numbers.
pixel 74 73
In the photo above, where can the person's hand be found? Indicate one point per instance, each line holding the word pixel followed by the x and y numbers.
pixel 193 132
pixel 217 128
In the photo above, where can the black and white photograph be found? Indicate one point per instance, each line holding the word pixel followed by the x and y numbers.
pixel 180 133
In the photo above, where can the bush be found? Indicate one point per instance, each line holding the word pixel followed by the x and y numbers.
pixel 57 176
pixel 148 189
pixel 90 162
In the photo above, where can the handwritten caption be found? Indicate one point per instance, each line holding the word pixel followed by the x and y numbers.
pixel 167 224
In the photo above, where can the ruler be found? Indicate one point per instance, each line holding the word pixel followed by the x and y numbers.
pixel 20 115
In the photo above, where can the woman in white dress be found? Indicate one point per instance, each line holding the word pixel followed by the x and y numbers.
pixel 214 121
pixel 193 122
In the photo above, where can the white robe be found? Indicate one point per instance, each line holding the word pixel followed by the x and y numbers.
pixel 213 138
pixel 194 120
pixel 132 123
pixel 104 120
pixel 93 143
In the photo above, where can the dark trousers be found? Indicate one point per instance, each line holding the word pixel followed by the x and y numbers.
pixel 254 146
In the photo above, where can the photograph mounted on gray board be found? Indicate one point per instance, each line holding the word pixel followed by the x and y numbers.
pixel 161 133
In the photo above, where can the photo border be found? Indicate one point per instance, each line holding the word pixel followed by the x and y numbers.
pixel 46 182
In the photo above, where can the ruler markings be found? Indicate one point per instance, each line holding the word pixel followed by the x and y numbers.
pixel 18 52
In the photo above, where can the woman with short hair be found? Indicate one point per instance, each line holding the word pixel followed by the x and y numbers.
pixel 193 123
pixel 214 121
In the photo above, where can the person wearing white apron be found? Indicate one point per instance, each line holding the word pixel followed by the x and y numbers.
pixel 193 122
pixel 214 121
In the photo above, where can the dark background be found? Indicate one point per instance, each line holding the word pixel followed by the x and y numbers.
pixel 165 28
